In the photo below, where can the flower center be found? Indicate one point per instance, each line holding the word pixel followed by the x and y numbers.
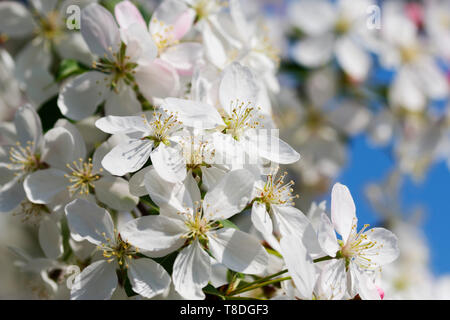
pixel 196 152
pixel 314 119
pixel 409 54
pixel 275 191
pixel 205 8
pixel 117 249
pixel 82 176
pixel 24 159
pixel 264 45
pixel 342 25
pixel 31 212
pixel 121 68
pixel 163 36
pixel 197 223
pixel 51 26
pixel 360 249
pixel 241 119
pixel 162 125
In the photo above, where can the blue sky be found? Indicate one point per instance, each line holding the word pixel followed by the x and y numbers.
pixel 367 164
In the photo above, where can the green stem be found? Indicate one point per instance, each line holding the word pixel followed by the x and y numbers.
pixel 259 285
pixel 262 280
pixel 323 259
pixel 267 280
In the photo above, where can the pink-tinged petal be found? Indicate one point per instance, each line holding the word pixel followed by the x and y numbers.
pixel 183 24
pixel 381 292
pixel 126 14
pixel 141 48
pixel 157 80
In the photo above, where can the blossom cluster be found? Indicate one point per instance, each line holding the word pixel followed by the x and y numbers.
pixel 166 141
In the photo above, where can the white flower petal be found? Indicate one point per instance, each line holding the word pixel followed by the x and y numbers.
pixel 363 285
pixel 62 148
pixel 327 236
pixel 194 113
pixel 157 235
pixel 122 104
pixel 28 126
pixel 147 277
pixel 183 56
pixel 97 281
pixel 35 55
pixel 128 156
pixel 314 52
pixel 352 58
pixel 136 183
pixel 214 49
pixel 237 86
pixel 11 194
pixel 174 196
pixel 74 47
pixel 99 30
pixel 261 218
pixel 300 266
pixel 211 176
pixel 43 186
pixel 50 238
pixel 126 14
pixel 230 196
pixel 314 17
pixel 406 91
pixel 87 221
pixel 271 147
pixel 15 19
pixel 227 247
pixel 79 145
pixel 114 125
pixel 157 80
pixel 332 281
pixel 343 211
pixel 191 271
pixel 115 193
pixel 389 250
pixel 39 85
pixel 140 45
pixel 292 222
pixel 80 96
pixel 169 162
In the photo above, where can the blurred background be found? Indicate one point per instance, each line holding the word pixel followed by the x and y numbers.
pixel 363 95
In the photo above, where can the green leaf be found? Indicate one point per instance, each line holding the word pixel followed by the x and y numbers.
pixel 68 68
pixel 49 113
pixel 110 4
pixel 167 261
pixel 209 289
pixel 128 289
pixel 228 224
